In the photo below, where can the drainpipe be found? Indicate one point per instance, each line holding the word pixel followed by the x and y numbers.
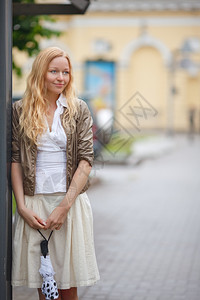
pixel 5 148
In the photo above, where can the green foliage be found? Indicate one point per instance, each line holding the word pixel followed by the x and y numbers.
pixel 27 32
pixel 120 143
pixel 13 204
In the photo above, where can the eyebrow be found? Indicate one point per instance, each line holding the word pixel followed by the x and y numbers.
pixel 58 68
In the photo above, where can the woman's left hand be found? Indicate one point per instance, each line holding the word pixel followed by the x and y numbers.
pixel 59 214
pixel 56 218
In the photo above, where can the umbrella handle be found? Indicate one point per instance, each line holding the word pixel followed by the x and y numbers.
pixel 44 244
pixel 44 248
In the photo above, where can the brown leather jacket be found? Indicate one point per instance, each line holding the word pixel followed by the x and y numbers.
pixel 79 147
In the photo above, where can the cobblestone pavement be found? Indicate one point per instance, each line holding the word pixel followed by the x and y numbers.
pixel 147 229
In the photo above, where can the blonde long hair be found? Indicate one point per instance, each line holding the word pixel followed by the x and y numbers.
pixel 34 104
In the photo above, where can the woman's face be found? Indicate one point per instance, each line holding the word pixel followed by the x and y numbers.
pixel 57 76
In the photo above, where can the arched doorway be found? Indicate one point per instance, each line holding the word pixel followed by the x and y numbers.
pixel 143 68
pixel 147 75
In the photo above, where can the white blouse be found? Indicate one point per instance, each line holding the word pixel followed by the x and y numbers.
pixel 51 155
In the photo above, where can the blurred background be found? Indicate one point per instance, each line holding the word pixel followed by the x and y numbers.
pixel 118 49
pixel 137 65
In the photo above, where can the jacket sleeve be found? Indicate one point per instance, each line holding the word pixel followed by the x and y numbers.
pixel 85 135
pixel 15 135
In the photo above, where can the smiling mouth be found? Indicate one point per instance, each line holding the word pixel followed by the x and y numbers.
pixel 59 84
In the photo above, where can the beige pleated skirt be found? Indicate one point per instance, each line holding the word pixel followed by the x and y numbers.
pixel 71 248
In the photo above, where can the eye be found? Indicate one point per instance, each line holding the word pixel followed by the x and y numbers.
pixel 66 72
pixel 53 71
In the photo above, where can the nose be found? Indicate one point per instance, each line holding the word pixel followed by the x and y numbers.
pixel 60 76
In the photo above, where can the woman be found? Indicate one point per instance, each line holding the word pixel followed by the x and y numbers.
pixel 52 156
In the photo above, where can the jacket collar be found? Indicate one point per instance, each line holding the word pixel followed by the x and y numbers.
pixel 62 100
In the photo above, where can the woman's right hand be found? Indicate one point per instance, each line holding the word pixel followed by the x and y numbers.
pixel 28 215
pixel 31 218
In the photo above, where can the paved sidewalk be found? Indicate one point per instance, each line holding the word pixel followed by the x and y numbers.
pixel 152 147
pixel 147 227
pixel 148 147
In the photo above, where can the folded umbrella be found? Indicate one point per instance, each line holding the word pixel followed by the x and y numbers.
pixel 49 286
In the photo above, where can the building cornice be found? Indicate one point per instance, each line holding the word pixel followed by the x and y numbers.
pixel 134 22
pixel 145 5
